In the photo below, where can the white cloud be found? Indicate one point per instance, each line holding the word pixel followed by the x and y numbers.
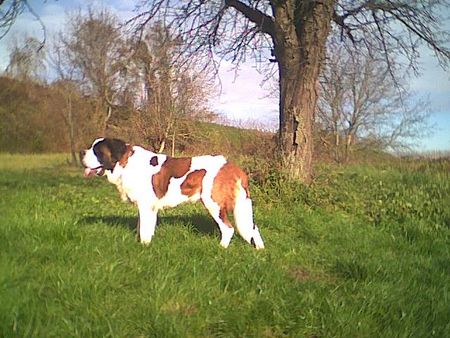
pixel 244 95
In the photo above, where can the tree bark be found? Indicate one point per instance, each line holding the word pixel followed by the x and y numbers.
pixel 337 157
pixel 348 146
pixel 70 122
pixel 299 50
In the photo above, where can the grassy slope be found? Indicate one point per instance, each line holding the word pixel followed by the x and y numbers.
pixel 363 253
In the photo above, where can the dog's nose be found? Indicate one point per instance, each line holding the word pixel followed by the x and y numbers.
pixel 82 153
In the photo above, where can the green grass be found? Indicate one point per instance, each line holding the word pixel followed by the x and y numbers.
pixel 365 252
pixel 31 161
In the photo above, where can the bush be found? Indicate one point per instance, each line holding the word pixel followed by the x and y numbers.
pixel 396 194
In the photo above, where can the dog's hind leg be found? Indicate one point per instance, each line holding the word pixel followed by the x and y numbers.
pixel 221 218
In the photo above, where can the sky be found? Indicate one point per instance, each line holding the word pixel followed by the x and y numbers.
pixel 245 95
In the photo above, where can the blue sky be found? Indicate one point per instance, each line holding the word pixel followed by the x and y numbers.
pixel 242 97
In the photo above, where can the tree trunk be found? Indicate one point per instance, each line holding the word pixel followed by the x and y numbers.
pixel 162 145
pixel 173 143
pixel 106 117
pixel 297 105
pixel 73 151
pixel 299 49
pixel 348 146
pixel 336 146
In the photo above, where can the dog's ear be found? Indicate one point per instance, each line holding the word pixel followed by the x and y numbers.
pixel 109 151
pixel 118 149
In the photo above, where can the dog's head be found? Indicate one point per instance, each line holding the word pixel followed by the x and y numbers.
pixel 102 155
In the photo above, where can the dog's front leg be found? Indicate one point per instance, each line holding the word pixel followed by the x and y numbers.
pixel 147 223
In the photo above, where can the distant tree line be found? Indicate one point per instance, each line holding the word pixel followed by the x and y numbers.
pixel 103 82
pixel 92 79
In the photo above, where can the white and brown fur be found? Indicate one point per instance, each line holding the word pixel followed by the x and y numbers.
pixel 154 181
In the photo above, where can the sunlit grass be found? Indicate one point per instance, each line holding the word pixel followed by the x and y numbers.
pixel 349 257
pixel 31 161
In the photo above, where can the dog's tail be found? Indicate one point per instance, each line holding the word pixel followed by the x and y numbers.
pixel 243 215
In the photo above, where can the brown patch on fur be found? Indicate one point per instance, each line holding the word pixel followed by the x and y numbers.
pixel 110 151
pixel 172 167
pixel 128 153
pixel 225 187
pixel 106 157
pixel 223 214
pixel 193 183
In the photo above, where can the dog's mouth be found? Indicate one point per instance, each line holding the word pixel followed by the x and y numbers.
pixel 99 171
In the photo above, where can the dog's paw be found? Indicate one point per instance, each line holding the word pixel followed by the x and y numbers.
pixel 146 241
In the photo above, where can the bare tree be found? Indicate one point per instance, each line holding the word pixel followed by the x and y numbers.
pixel 67 88
pixel 403 124
pixel 171 98
pixel 296 32
pixel 11 10
pixel 95 48
pixel 359 99
pixel 26 60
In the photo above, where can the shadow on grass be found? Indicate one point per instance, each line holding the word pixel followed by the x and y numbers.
pixel 127 222
pixel 202 224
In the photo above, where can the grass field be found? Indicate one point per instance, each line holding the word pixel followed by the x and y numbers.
pixel 365 252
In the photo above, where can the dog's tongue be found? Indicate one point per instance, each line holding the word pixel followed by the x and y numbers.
pixel 88 172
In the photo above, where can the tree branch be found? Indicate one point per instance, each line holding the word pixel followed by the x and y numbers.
pixel 263 21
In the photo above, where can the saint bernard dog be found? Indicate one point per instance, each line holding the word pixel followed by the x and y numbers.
pixel 154 181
